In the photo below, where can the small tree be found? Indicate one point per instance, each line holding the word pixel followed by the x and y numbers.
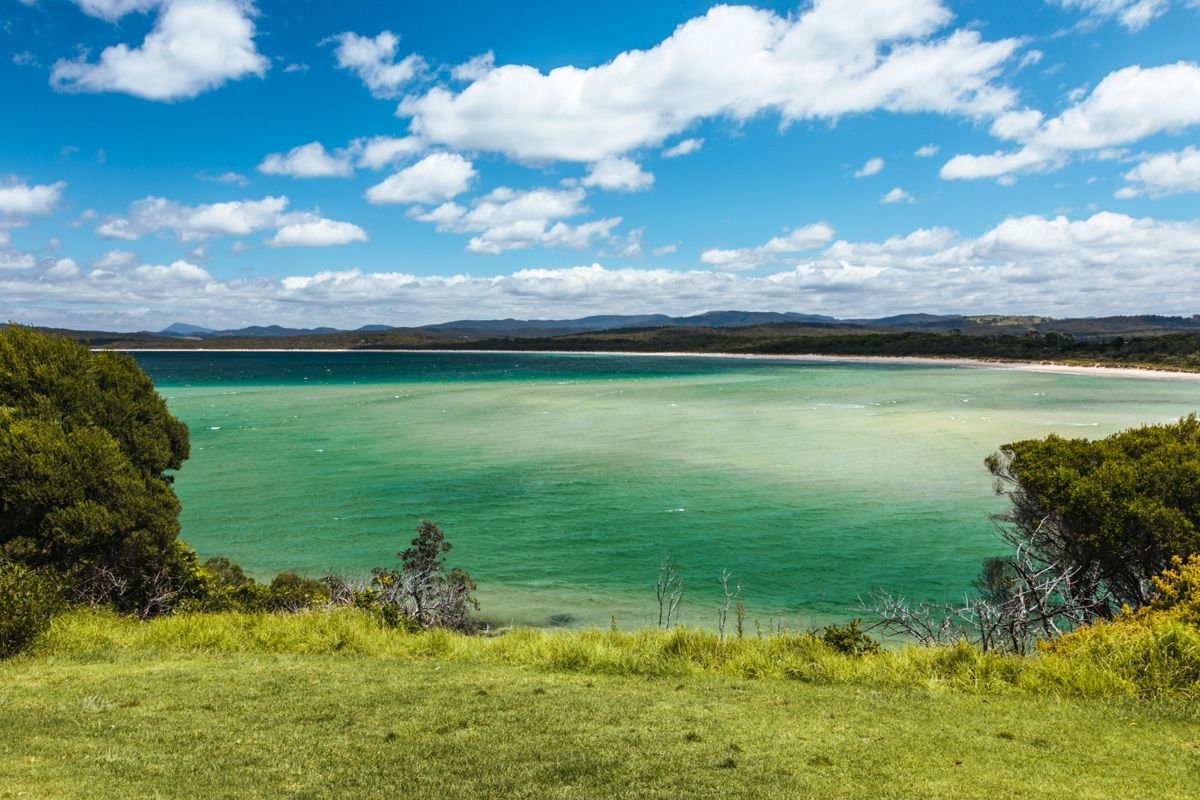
pixel 423 590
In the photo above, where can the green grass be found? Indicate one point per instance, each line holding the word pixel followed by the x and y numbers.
pixel 321 705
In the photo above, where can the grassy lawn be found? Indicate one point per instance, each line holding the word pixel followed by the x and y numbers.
pixel 250 724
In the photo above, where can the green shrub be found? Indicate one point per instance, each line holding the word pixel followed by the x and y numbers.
pixel 1177 590
pixel 1155 649
pixel 28 599
pixel 849 640
pixel 291 592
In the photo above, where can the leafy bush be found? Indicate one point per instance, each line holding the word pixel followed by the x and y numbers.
pixel 1156 648
pixel 1109 513
pixel 86 445
pixel 1178 589
pixel 291 592
pixel 849 640
pixel 28 599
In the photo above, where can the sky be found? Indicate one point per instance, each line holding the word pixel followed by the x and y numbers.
pixel 227 163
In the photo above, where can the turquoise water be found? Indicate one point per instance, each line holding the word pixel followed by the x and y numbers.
pixel 564 480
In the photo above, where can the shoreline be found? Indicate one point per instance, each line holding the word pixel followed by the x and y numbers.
pixel 814 358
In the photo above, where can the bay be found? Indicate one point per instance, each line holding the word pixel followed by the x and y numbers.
pixel 564 480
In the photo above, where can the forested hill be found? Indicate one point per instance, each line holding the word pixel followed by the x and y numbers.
pixel 1164 342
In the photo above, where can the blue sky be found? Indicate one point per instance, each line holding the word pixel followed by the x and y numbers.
pixel 226 162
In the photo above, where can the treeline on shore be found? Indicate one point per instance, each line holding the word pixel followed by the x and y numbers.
pixel 1170 350
pixel 1178 351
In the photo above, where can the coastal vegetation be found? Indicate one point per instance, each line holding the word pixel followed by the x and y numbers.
pixel 1150 341
pixel 121 643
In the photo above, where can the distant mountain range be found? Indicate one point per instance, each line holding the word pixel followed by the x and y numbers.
pixel 516 328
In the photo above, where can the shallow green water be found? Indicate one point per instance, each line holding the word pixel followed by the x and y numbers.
pixel 563 481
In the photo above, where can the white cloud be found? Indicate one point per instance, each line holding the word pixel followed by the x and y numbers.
pixel 437 177
pixel 1164 174
pixel 807 237
pixel 666 249
pixel 235 178
pixel 312 231
pixel 897 195
pixel 684 148
pixel 113 10
pixel 618 174
pixel 60 269
pixel 19 199
pixel 234 218
pixel 191 223
pixel 195 46
pixel 1132 14
pixel 11 258
pixel 1031 58
pixel 116 259
pixel 1128 105
pixel 378 152
pixel 873 167
pixel 837 57
pixel 474 68
pixel 507 219
pixel 374 62
pixel 927 151
pixel 155 278
pixel 308 161
pixel 1104 264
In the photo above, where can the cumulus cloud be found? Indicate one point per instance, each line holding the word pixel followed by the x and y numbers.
pixel 437 177
pixel 308 161
pixel 233 218
pixel 618 174
pixel 684 148
pixel 374 62
pixel 18 199
pixel 378 152
pixel 897 195
pixel 927 151
pixel 1103 264
pixel 474 68
pixel 191 223
pixel 1164 174
pixel 1128 105
pixel 1132 14
pixel 873 167
pixel 837 57
pixel 10 257
pixel 113 10
pixel 312 160
pixel 116 259
pixel 781 248
pixel 309 230
pixel 195 46
pixel 507 219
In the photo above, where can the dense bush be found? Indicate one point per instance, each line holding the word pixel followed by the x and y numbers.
pixel 86 445
pixel 28 600
pixel 1113 512
pixel 849 639
pixel 1155 648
